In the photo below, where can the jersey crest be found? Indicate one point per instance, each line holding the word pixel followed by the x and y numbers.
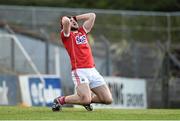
pixel 81 39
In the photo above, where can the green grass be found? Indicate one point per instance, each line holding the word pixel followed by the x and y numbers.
pixel 44 113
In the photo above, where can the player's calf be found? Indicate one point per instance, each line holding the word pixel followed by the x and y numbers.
pixel 85 99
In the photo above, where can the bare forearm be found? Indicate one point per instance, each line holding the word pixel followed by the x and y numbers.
pixel 85 16
pixel 88 19
pixel 66 24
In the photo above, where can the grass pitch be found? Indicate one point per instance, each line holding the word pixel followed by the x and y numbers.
pixel 44 113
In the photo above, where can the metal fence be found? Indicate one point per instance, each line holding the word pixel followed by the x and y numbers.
pixel 124 24
pixel 123 29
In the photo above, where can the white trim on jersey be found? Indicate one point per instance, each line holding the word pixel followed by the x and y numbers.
pixel 66 35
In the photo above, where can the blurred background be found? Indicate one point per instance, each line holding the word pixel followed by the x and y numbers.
pixel 130 39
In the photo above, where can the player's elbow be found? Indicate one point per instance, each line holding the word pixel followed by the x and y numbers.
pixel 93 15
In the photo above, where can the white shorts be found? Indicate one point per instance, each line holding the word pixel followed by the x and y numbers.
pixel 87 75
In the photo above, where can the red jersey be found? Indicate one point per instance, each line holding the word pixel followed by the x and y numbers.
pixel 78 49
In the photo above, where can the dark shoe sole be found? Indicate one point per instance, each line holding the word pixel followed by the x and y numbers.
pixel 88 107
pixel 56 106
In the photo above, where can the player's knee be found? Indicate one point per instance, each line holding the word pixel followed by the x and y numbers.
pixel 108 100
pixel 86 99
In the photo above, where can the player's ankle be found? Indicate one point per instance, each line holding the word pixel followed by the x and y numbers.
pixel 61 100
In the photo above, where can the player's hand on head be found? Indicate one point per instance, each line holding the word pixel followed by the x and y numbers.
pixel 66 25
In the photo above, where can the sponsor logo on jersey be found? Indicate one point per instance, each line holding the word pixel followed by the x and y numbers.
pixel 81 39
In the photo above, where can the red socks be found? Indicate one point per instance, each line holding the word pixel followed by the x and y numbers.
pixel 61 100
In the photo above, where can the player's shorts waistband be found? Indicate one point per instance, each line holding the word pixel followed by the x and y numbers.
pixel 83 68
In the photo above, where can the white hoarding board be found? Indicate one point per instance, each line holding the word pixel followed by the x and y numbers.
pixel 34 93
pixel 127 93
